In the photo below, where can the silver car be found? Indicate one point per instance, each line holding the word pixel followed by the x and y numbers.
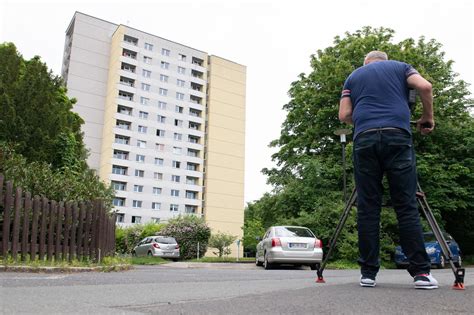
pixel 295 245
pixel 159 246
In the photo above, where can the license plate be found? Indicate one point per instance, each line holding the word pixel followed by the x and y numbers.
pixel 297 245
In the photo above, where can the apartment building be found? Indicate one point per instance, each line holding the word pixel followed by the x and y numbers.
pixel 164 123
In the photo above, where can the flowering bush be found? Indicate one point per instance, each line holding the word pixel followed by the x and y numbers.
pixel 188 231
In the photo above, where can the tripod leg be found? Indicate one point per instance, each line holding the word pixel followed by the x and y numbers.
pixel 337 232
pixel 458 272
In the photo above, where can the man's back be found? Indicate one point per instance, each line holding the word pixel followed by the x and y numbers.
pixel 379 94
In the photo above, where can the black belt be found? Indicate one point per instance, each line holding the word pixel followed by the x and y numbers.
pixel 380 129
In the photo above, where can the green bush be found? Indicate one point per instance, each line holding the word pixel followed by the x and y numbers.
pixel 126 238
pixel 188 231
pixel 221 242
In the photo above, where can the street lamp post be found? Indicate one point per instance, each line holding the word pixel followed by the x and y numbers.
pixel 342 134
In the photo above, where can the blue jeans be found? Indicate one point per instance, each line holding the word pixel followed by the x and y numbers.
pixel 391 152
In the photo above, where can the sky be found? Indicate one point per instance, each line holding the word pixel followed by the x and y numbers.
pixel 273 38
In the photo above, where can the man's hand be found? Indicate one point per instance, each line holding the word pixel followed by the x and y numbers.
pixel 425 125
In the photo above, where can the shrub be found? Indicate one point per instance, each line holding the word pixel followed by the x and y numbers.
pixel 221 242
pixel 188 231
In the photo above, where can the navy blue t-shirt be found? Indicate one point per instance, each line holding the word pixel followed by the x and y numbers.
pixel 379 95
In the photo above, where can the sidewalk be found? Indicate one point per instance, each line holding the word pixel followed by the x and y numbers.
pixel 199 265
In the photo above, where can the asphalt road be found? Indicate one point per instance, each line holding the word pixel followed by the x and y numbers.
pixel 179 288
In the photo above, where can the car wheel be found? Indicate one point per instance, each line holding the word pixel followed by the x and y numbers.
pixel 458 263
pixel 134 254
pixel 258 262
pixel 266 264
pixel 149 254
pixel 442 263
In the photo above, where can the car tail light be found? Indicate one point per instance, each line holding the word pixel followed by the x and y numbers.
pixel 177 246
pixel 318 244
pixel 155 245
pixel 276 242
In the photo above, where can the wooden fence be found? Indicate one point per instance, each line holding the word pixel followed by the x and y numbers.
pixel 43 229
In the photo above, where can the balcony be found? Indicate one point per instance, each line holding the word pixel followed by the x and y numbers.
pixel 129 54
pixel 127 81
pixel 125 96
pixel 130 40
pixel 128 67
pixel 197 61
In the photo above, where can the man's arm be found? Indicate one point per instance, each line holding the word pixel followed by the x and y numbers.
pixel 425 90
pixel 345 110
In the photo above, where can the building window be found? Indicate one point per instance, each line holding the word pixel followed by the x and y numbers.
pixel 118 202
pixel 122 139
pixel 149 46
pixel 177 150
pixel 130 40
pixel 119 185
pixel 161 105
pixel 140 158
pixel 163 92
pixel 181 57
pixel 122 124
pixel 119 170
pixel 156 205
pixel 192 180
pixel 159 161
pixel 165 65
pixel 165 52
pixel 193 153
pixel 139 173
pixel 137 188
pixel 176 164
pixel 179 109
pixel 143 115
pixel 190 209
pixel 136 219
pixel 192 166
pixel 137 203
pixel 174 207
pixel 191 194
pixel 174 192
pixel 120 217
pixel 163 78
pixel 178 123
pixel 179 96
pixel 194 126
pixel 155 220
pixel 181 70
pixel 159 146
pixel 180 83
pixel 142 129
pixel 156 191
pixel 141 144
pixel 146 73
pixel 147 60
pixel 178 136
pixel 144 100
pixel 145 87
pixel 193 139
pixel 125 96
pixel 161 119
pixel 122 155
pixel 158 176
pixel 160 133
pixel 175 178
pixel 124 110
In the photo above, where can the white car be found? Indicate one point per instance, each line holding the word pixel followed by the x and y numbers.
pixel 158 246
pixel 295 245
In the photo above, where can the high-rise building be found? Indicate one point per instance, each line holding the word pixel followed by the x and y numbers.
pixel 164 122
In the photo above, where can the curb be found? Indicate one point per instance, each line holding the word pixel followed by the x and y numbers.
pixel 64 269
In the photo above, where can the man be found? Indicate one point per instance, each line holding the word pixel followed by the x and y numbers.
pixel 375 100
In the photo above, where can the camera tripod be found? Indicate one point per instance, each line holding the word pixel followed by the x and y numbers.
pixel 426 210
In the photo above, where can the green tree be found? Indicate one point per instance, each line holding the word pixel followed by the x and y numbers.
pixel 36 112
pixel 253 230
pixel 221 242
pixel 307 180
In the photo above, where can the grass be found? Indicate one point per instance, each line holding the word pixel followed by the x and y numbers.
pixel 107 262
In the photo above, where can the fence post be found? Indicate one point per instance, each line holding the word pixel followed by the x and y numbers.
pixel 34 228
pixel 16 222
pixel 67 228
pixel 72 239
pixel 26 226
pixel 88 231
pixel 80 231
pixel 45 207
pixel 6 219
pixel 52 217
pixel 59 231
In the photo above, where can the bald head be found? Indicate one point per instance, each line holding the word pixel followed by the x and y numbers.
pixel 375 55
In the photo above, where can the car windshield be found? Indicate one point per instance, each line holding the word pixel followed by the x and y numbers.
pixel 165 240
pixel 289 231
